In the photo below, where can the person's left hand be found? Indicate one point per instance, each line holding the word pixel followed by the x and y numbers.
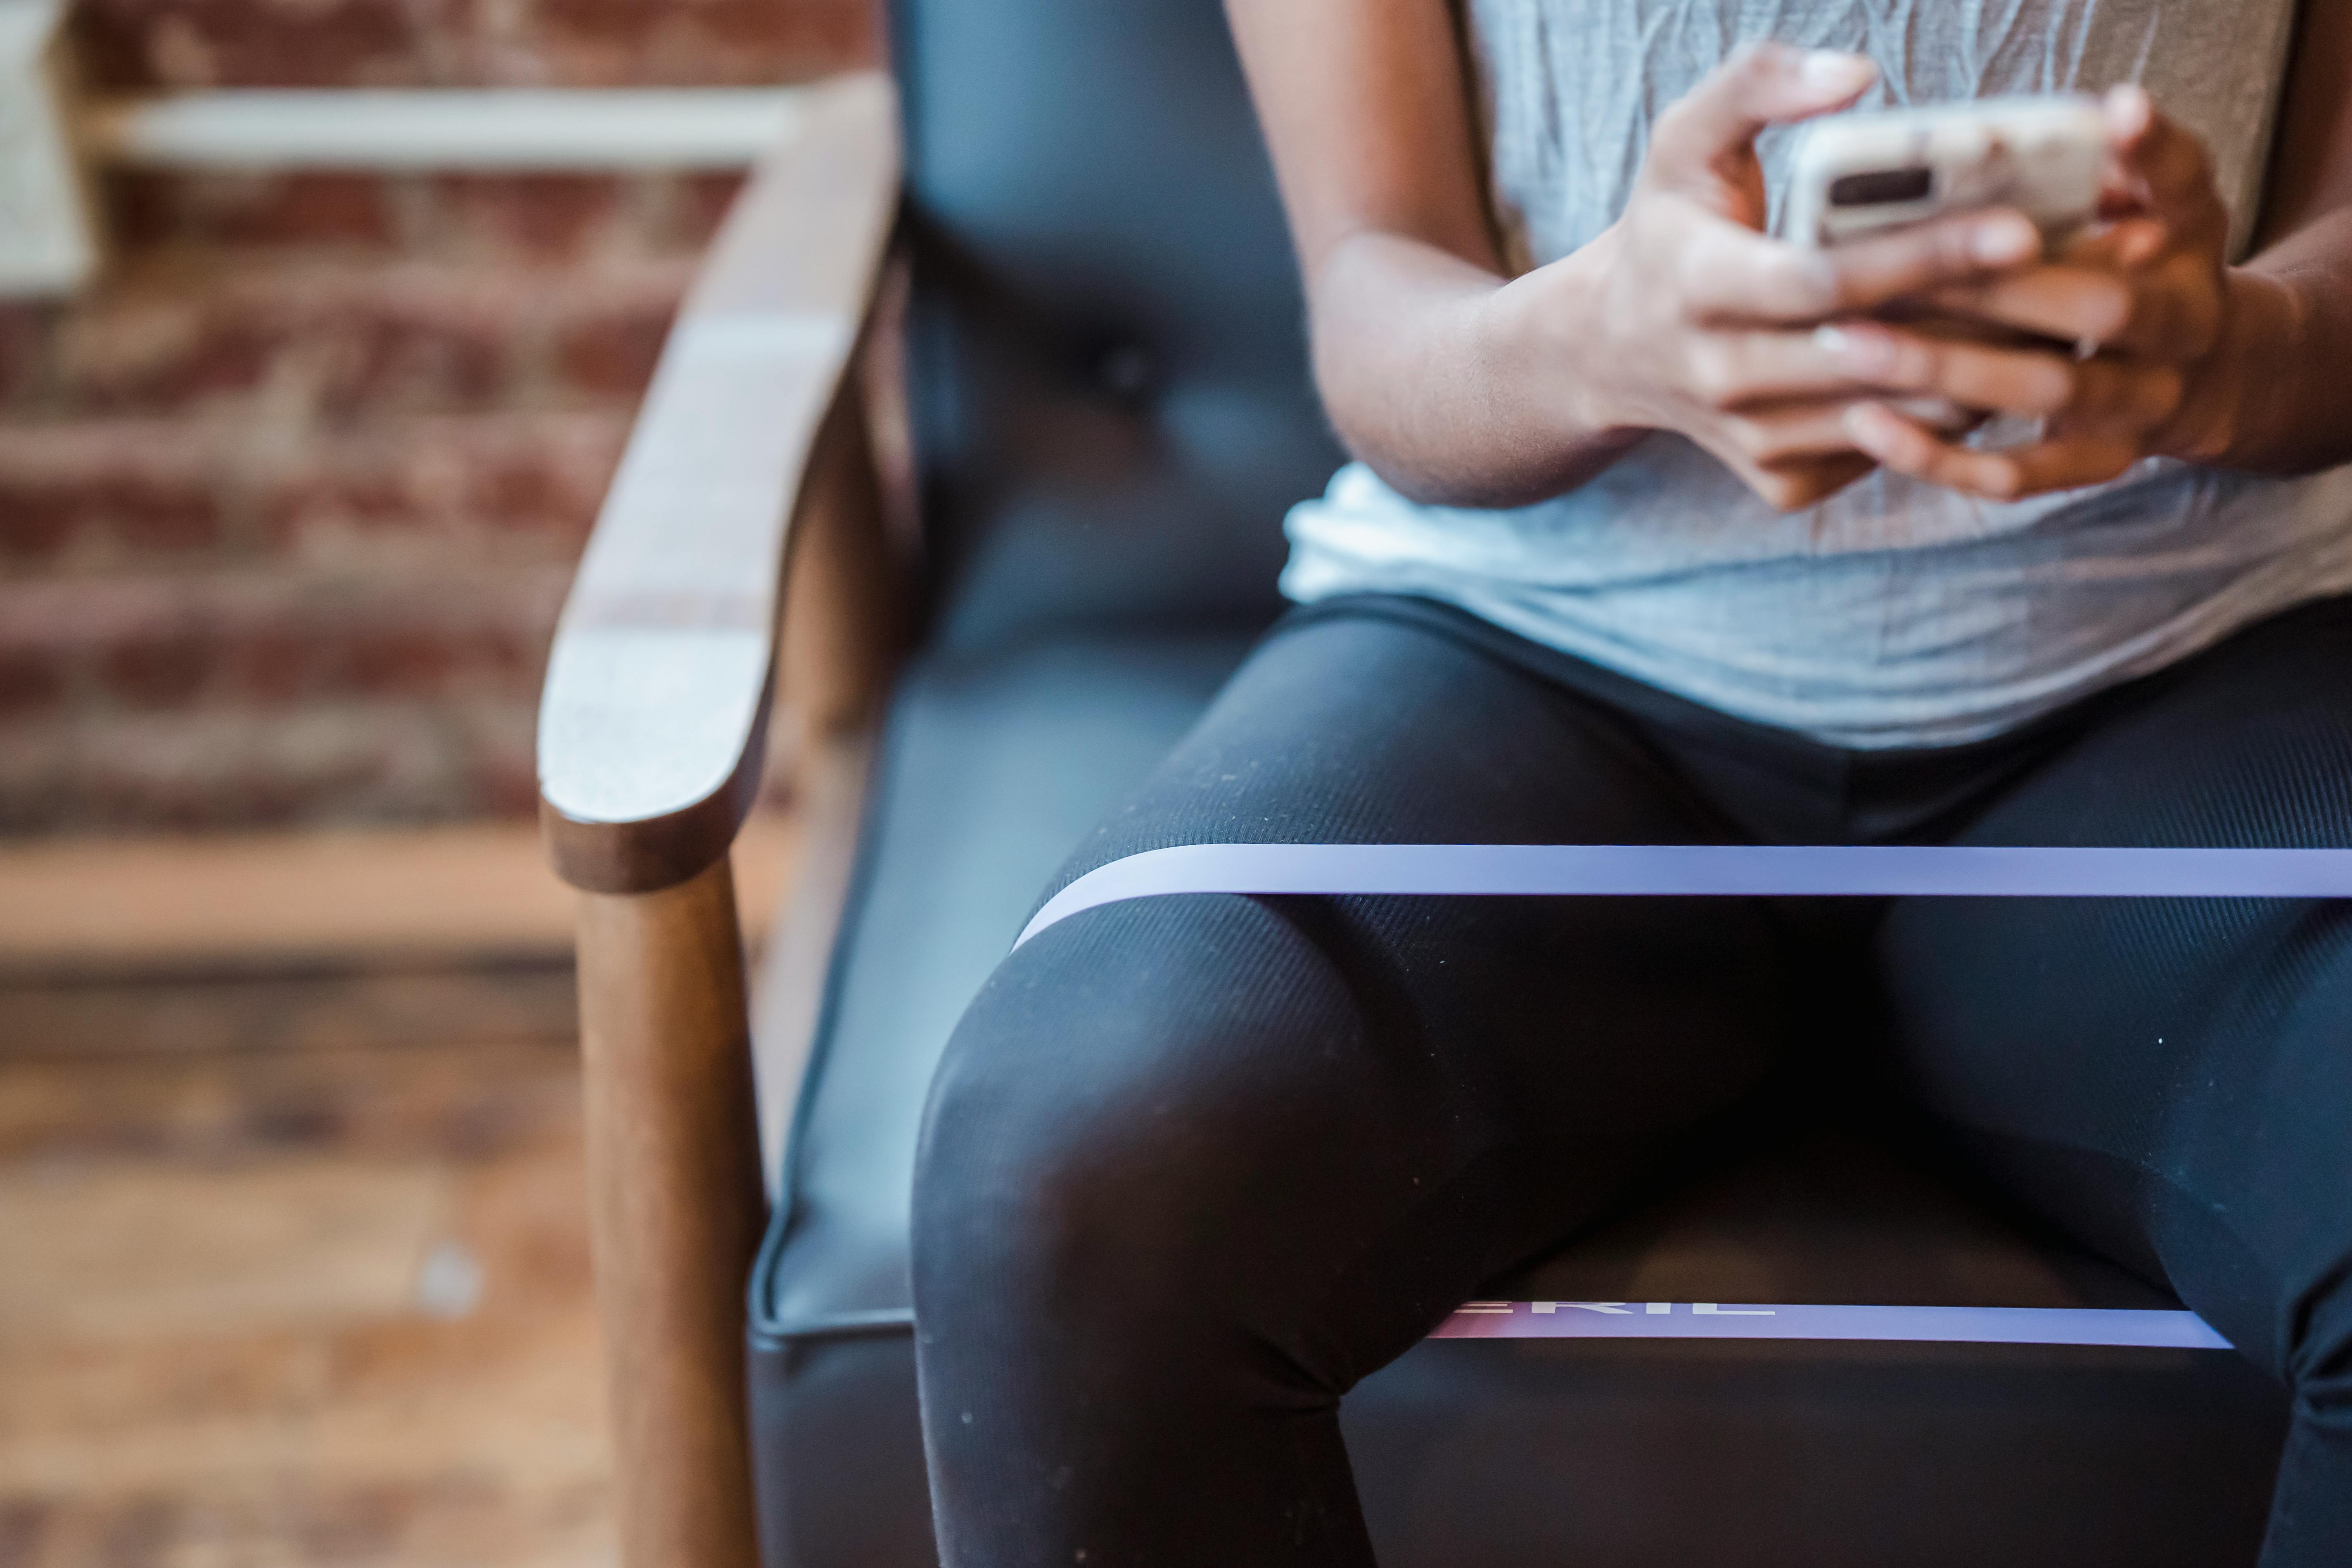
pixel 2109 342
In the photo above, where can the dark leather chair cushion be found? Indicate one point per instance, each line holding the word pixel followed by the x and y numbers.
pixel 1607 1455
pixel 994 765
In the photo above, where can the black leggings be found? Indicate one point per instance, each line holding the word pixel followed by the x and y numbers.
pixel 1193 1166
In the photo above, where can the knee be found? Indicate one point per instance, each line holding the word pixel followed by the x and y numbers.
pixel 1051 1166
pixel 1030 1213
pixel 1018 1164
pixel 1099 1131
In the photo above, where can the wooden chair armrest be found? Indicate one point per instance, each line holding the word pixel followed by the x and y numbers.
pixel 651 726
pixel 651 730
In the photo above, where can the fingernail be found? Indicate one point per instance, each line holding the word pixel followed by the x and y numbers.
pixel 1834 70
pixel 2004 239
pixel 2129 109
pixel 1859 425
pixel 1864 351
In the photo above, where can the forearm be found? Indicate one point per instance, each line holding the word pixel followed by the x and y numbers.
pixel 2283 373
pixel 1456 387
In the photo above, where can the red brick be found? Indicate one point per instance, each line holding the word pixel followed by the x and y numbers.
pixel 275 666
pixel 173 337
pixel 322 765
pixel 153 520
pixel 655 42
pixel 537 218
pixel 320 497
pixel 613 355
pixel 25 330
pixel 83 495
pixel 509 476
pixel 825 35
pixel 142 206
pixel 344 338
pixel 167 670
pixel 242 43
pixel 404 646
pixel 610 328
pixel 34 523
pixel 347 763
pixel 43 513
pixel 701 203
pixel 325 209
pixel 499 742
pixel 157 341
pixel 411 353
pixel 29 682
pixel 383 43
pixel 541 217
pixel 255 639
pixel 406 661
pixel 551 493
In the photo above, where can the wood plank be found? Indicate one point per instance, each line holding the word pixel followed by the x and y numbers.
pixel 321 1425
pixel 413 896
pixel 107 1250
pixel 654 714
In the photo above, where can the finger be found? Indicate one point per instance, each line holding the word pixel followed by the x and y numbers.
pixel 2015 380
pixel 1731 274
pixel 2061 463
pixel 1740 372
pixel 1793 434
pixel 1787 487
pixel 1734 370
pixel 2165 159
pixel 2107 392
pixel 2172 308
pixel 2072 304
pixel 1764 85
pixel 2126 244
pixel 1941 414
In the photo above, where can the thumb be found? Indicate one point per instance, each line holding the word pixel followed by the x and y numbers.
pixel 1763 85
pixel 2167 163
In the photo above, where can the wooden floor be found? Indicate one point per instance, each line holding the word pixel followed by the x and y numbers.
pixel 297 1307
pixel 293 1261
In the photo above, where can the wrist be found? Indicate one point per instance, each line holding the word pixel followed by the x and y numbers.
pixel 1548 340
pixel 2223 401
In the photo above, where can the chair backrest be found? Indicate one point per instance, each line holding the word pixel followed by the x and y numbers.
pixel 1107 354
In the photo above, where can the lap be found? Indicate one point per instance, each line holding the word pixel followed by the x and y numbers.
pixel 2169 1079
pixel 1413 1093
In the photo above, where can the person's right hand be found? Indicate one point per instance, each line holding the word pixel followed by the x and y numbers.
pixel 1685 316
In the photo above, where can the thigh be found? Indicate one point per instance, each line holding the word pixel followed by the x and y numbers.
pixel 2171 1079
pixel 1341 1115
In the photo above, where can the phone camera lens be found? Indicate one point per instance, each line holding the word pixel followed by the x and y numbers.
pixel 1880 186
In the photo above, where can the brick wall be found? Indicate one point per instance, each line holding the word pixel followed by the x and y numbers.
pixel 288 501
pixel 468 43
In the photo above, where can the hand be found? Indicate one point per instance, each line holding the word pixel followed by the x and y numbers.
pixel 1684 316
pixel 2144 301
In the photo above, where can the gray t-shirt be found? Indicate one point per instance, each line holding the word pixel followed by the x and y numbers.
pixel 1895 614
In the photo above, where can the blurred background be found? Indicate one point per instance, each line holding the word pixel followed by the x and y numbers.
pixel 306 407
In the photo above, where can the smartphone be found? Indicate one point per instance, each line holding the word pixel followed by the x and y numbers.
pixel 1864 174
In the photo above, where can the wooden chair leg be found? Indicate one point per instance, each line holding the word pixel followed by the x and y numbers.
pixel 675 1211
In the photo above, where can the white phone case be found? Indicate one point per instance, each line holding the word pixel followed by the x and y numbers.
pixel 1854 174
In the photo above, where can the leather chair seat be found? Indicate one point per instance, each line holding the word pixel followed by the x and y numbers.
pixel 1737 1454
